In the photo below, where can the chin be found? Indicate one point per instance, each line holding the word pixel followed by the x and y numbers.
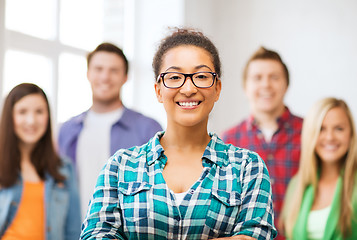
pixel 106 99
pixel 332 159
pixel 268 109
pixel 192 123
pixel 30 142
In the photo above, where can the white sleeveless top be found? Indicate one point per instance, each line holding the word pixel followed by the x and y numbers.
pixel 316 223
pixel 180 197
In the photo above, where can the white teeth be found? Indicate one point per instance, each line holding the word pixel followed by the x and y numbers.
pixel 188 104
pixel 266 95
pixel 330 147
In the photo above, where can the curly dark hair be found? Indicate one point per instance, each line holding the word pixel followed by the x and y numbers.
pixel 185 36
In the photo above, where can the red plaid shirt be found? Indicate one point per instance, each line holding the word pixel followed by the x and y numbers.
pixel 281 154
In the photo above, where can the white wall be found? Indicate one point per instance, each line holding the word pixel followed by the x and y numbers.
pixel 151 22
pixel 317 40
pixel 2 29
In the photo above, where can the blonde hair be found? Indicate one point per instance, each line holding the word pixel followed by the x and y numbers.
pixel 309 164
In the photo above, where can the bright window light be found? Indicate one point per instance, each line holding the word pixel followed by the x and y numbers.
pixel 74 93
pixel 36 17
pixel 23 67
pixel 81 23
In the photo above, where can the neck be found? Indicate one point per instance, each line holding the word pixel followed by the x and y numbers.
pixel 28 170
pixel 104 107
pixel 185 137
pixel 330 172
pixel 26 150
pixel 267 120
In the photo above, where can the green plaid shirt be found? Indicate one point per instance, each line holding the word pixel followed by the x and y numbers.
pixel 132 201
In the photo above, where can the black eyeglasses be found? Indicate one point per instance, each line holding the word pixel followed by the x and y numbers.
pixel 177 79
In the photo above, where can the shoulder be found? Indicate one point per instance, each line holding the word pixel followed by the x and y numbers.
pixel 244 155
pixel 237 155
pixel 129 156
pixel 248 165
pixel 354 193
pixel 66 168
pixel 293 182
pixel 73 122
pixel 297 119
pixel 139 156
pixel 293 118
pixel 291 188
pixel 126 165
pixel 294 125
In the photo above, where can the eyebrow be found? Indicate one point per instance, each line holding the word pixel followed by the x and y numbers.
pixel 196 68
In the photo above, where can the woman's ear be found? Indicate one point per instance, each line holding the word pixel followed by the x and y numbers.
pixel 218 87
pixel 158 92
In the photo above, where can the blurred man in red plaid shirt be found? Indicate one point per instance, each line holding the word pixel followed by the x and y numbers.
pixel 271 130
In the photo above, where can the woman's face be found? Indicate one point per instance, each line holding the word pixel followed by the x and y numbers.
pixel 335 136
pixel 30 116
pixel 188 105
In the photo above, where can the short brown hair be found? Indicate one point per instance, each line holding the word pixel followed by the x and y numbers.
pixel 111 48
pixel 265 54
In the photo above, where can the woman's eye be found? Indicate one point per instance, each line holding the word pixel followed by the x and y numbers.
pixel 256 78
pixel 22 111
pixel 339 129
pixel 175 77
pixel 40 111
pixel 201 76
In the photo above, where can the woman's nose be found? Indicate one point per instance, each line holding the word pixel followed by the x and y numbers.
pixel 188 87
pixel 329 134
pixel 30 118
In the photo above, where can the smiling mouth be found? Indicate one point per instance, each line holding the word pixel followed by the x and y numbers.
pixel 266 95
pixel 330 147
pixel 105 87
pixel 189 104
pixel 30 131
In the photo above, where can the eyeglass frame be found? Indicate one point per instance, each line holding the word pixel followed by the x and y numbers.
pixel 190 75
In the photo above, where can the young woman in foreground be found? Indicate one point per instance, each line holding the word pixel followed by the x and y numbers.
pixel 321 202
pixel 38 191
pixel 185 183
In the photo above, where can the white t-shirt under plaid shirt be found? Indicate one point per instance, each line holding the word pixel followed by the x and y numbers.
pixel 132 201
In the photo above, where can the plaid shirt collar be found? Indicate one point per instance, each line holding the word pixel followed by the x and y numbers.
pixel 283 120
pixel 155 151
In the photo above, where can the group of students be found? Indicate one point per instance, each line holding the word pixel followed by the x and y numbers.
pixel 184 182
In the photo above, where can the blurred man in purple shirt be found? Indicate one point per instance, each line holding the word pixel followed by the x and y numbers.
pixel 90 138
